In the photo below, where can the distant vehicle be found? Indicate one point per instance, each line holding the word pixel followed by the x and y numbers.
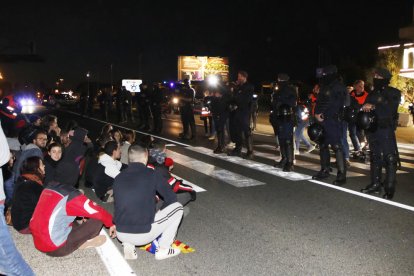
pixel 58 100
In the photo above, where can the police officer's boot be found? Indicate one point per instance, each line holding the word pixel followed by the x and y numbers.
pixel 249 145
pixel 390 175
pixel 236 151
pixel 341 165
pixel 375 186
pixel 325 163
pixel 282 149
pixel 289 151
pixel 220 143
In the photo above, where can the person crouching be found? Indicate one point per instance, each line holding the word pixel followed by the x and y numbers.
pixel 137 222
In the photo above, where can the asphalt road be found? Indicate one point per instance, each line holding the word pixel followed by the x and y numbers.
pixel 253 219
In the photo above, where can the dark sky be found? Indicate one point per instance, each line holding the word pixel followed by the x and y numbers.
pixel 144 38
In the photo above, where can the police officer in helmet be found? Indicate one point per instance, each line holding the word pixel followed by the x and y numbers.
pixel 384 101
pixel 283 104
pixel 187 97
pixel 328 112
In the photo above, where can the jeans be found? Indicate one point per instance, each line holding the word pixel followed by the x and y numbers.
pixel 354 137
pixel 344 139
pixel 11 262
pixel 299 135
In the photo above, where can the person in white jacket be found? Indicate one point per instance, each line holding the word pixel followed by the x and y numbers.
pixel 108 168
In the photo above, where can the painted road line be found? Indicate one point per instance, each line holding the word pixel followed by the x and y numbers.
pixel 389 202
pixel 315 157
pixel 112 258
pixel 196 188
pixel 294 176
pixel 226 176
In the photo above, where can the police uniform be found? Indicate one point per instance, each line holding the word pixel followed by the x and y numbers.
pixel 329 105
pixel 156 110
pixel 381 138
pixel 187 96
pixel 239 119
pixel 283 103
pixel 220 112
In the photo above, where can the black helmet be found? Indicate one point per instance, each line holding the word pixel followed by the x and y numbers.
pixel 284 112
pixel 367 120
pixel 316 132
pixel 350 114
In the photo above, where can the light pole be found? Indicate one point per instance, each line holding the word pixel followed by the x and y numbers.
pixel 86 104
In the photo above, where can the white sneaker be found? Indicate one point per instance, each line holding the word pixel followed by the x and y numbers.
pixel 212 137
pixel 164 253
pixel 310 149
pixel 130 252
pixel 297 152
pixel 231 145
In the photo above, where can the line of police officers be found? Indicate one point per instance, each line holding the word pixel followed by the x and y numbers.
pixel 378 117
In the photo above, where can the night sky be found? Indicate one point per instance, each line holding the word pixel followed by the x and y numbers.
pixel 144 38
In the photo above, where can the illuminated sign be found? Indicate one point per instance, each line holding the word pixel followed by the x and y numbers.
pixel 197 68
pixel 132 85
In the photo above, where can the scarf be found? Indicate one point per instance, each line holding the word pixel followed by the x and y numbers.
pixel 33 177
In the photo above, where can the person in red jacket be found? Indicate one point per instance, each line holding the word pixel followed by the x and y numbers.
pixel 54 228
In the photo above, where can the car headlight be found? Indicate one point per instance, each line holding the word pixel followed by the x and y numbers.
pixel 175 100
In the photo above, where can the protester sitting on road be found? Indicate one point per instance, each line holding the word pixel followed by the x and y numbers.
pixel 33 149
pixel 54 154
pixel 137 221
pixel 108 168
pixel 64 138
pixel 54 228
pixel 159 161
pixel 116 135
pixel 129 139
pixel 50 125
pixel 26 194
pixel 73 156
pixel 8 177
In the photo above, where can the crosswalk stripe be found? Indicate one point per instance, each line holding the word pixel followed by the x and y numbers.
pixel 196 188
pixel 315 157
pixel 294 176
pixel 226 176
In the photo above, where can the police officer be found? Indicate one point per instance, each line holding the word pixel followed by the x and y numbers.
pixel 143 105
pixel 156 108
pixel 120 100
pixel 239 119
pixel 384 101
pixel 283 103
pixel 220 103
pixel 328 112
pixel 187 95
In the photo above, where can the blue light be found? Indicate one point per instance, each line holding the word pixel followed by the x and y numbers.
pixel 171 84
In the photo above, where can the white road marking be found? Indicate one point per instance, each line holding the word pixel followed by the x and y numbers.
pixel 231 178
pixel 389 202
pixel 112 258
pixel 294 176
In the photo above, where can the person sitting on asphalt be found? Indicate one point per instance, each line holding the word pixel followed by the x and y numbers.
pixel 135 214
pixel 54 227
pixel 73 157
pixel 129 139
pixel 163 165
pixel 26 194
pixel 54 154
pixel 108 168
pixel 33 149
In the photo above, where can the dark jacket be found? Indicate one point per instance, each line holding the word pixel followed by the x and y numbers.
pixel 25 198
pixel 134 198
pixel 50 168
pixel 101 182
